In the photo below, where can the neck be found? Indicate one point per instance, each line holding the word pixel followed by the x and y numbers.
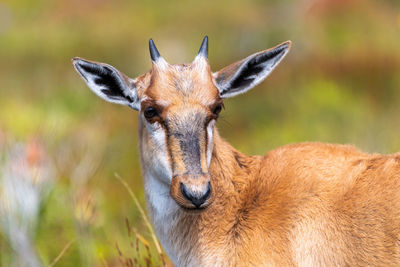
pixel 178 230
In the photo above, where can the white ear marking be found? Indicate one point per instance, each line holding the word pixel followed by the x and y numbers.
pixel 241 76
pixel 107 82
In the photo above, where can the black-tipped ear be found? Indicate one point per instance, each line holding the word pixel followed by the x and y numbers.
pixel 243 75
pixel 107 82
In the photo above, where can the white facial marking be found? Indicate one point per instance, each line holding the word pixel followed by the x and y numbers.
pixel 210 143
pixel 159 161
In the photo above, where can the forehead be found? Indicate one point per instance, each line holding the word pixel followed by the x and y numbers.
pixel 182 84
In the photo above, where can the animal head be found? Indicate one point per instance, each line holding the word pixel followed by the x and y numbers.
pixel 178 106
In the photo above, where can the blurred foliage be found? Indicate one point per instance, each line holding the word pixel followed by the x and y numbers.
pixel 339 84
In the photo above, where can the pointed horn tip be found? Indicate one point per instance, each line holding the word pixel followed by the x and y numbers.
pixel 203 51
pixel 154 54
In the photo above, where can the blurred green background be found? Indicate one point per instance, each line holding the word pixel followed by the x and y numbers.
pixel 340 83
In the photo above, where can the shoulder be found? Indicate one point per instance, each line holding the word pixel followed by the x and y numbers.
pixel 317 160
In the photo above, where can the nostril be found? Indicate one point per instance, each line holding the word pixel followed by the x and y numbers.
pixel 208 192
pixel 195 198
pixel 185 193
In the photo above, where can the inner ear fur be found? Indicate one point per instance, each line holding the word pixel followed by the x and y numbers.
pixel 107 82
pixel 243 75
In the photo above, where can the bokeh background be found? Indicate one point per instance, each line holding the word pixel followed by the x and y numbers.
pixel 62 147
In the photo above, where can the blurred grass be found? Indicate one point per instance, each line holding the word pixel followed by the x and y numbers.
pixel 339 84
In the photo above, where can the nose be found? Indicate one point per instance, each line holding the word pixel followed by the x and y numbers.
pixel 195 197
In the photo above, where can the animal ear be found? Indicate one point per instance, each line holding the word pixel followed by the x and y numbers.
pixel 107 82
pixel 243 75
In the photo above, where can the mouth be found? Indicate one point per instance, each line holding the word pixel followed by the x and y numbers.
pixel 193 209
pixel 188 208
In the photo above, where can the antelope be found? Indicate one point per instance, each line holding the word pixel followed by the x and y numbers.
pixel 307 204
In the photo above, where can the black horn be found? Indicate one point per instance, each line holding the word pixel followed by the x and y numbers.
pixel 203 51
pixel 154 54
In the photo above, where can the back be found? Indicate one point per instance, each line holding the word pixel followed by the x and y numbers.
pixel 337 205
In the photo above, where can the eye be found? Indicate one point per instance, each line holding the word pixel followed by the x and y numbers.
pixel 150 113
pixel 217 109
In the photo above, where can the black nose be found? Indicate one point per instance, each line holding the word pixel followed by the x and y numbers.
pixel 197 198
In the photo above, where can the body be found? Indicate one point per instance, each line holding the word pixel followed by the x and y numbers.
pixel 309 204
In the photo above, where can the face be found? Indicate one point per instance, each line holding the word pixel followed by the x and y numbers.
pixel 179 105
pixel 179 109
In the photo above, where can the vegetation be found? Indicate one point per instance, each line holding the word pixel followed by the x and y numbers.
pixel 60 145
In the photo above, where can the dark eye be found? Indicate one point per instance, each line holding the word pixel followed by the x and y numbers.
pixel 150 113
pixel 217 109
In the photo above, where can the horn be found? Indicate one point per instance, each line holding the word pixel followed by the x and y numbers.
pixel 154 54
pixel 203 51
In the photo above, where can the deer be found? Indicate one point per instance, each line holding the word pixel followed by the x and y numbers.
pixel 305 204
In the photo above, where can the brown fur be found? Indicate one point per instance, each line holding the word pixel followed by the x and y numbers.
pixel 310 204
pixel 344 204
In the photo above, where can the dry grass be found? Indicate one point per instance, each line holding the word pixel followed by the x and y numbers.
pixel 143 255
